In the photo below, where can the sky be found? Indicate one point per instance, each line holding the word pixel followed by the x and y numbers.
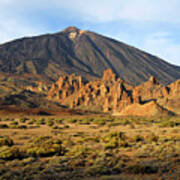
pixel 150 25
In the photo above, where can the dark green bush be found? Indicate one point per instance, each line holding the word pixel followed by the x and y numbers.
pixel 49 122
pixel 142 169
pixel 138 138
pixel 23 120
pixel 6 141
pixel 3 126
pixel 22 127
pixel 14 123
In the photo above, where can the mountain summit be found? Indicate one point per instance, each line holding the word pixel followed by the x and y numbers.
pixel 83 53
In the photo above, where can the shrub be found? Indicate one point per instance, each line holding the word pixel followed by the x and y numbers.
pixel 138 138
pixel 99 121
pixel 152 138
pixel 23 120
pixel 9 153
pixel 6 141
pixel 50 122
pixel 66 126
pixel 97 170
pixel 169 124
pixel 78 150
pixel 3 126
pixel 13 126
pixel 71 120
pixel 40 121
pixel 45 146
pixel 31 122
pixel 59 121
pixel 85 121
pixel 115 140
pixel 22 127
pixel 142 169
pixel 55 127
pixel 14 123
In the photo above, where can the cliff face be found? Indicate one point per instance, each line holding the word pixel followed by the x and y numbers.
pixel 111 94
pixel 84 53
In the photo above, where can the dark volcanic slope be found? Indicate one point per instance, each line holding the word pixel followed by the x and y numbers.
pixel 84 53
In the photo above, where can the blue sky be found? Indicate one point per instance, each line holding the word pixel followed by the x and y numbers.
pixel 151 25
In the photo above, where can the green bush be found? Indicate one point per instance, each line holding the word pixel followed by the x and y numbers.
pixel 9 153
pixel 23 120
pixel 50 122
pixel 44 146
pixel 85 121
pixel 55 127
pixel 14 123
pixel 114 140
pixel 78 150
pixel 71 120
pixel 99 121
pixel 169 124
pixel 40 121
pixel 66 126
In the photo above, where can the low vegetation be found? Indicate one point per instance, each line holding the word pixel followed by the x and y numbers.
pixel 96 147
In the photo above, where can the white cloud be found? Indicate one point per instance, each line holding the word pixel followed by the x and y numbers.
pixel 12 24
pixel 106 10
pixel 113 10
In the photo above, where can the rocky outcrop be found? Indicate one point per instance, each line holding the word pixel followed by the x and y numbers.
pixel 111 94
pixel 64 87
pixel 38 87
pixel 148 109
pixel 172 100
pixel 108 94
pixel 149 90
pixel 175 87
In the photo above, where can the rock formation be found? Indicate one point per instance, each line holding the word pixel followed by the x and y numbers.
pixel 64 87
pixel 149 90
pixel 148 109
pixel 111 94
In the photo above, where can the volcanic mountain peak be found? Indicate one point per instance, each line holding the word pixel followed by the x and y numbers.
pixel 71 29
pixel 73 32
pixel 84 53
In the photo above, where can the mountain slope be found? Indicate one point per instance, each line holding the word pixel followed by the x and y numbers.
pixel 83 53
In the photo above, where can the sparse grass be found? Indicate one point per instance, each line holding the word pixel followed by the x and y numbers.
pixel 82 147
